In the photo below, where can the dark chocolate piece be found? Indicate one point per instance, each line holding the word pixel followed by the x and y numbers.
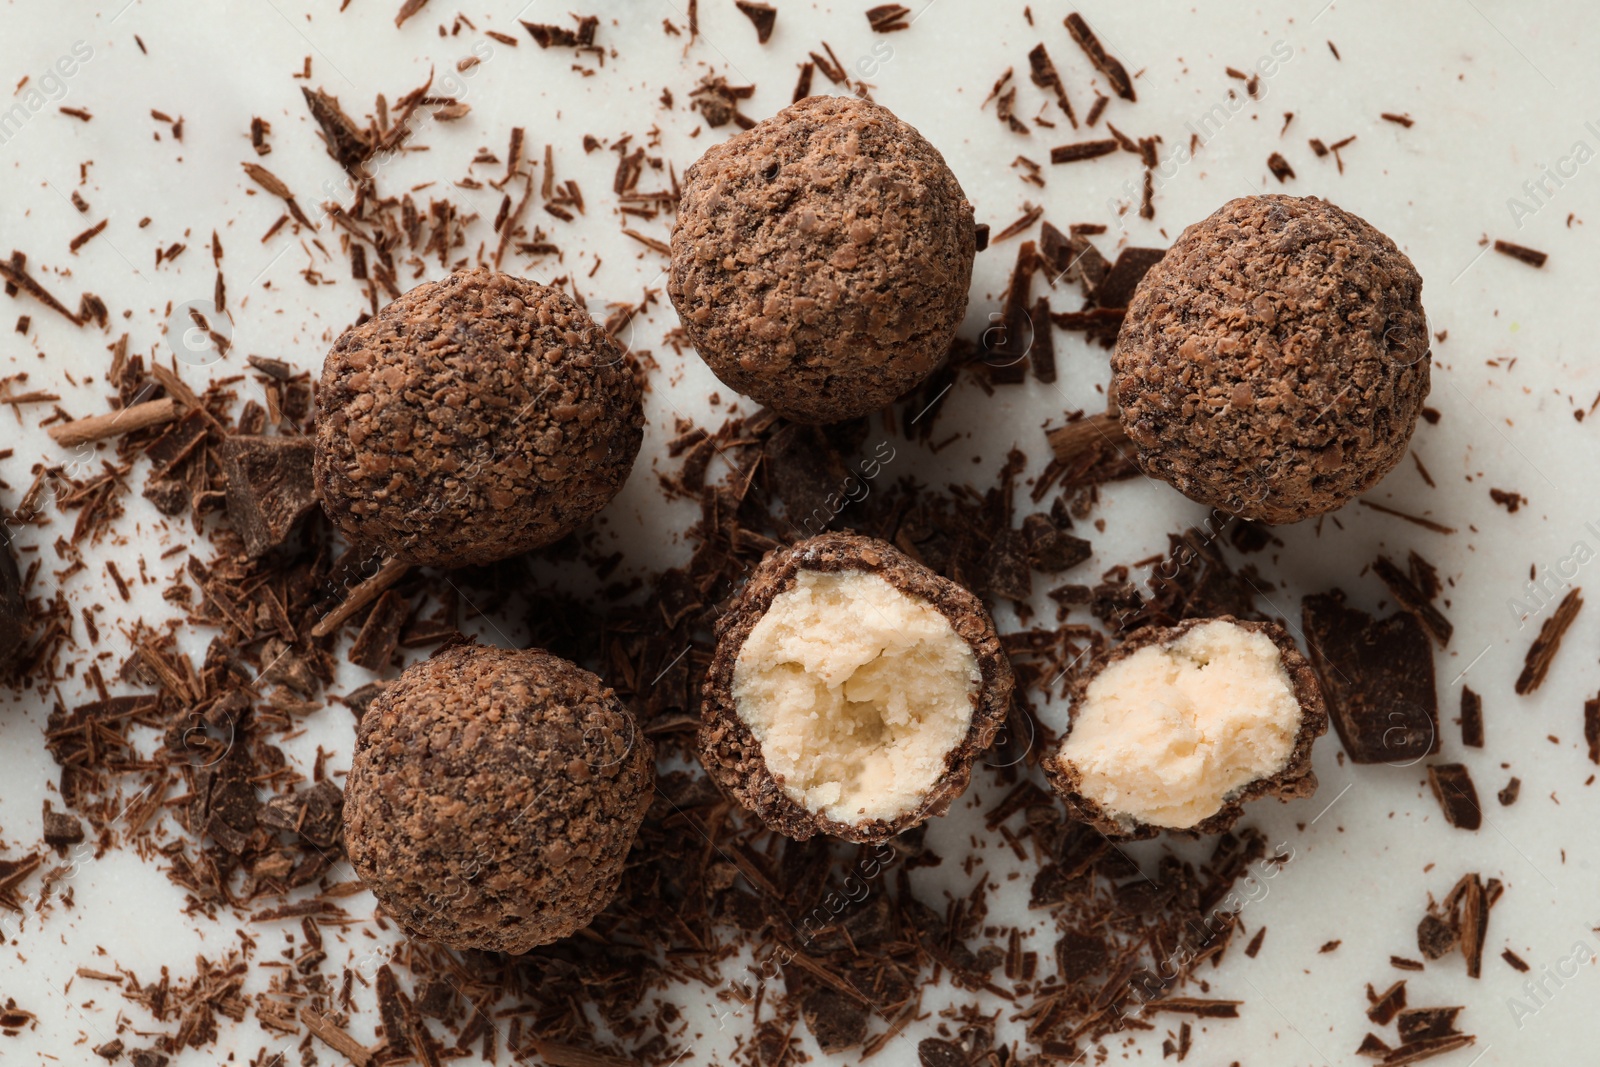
pixel 763 16
pixel 1116 289
pixel 1377 677
pixel 1471 718
pixel 1508 795
pixel 269 488
pixel 1452 787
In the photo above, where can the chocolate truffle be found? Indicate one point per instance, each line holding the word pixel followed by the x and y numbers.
pixel 1179 726
pixel 472 419
pixel 821 259
pixel 1274 362
pixel 14 625
pixel 494 796
pixel 850 691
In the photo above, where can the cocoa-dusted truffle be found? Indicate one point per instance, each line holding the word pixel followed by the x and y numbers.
pixel 1179 726
pixel 821 259
pixel 850 691
pixel 472 419
pixel 1274 362
pixel 14 624
pixel 494 796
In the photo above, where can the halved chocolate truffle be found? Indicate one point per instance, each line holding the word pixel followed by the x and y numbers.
pixel 494 796
pixel 1179 726
pixel 850 691
pixel 1274 362
pixel 472 419
pixel 821 259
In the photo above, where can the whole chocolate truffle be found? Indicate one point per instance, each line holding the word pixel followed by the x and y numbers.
pixel 14 625
pixel 472 419
pixel 1274 362
pixel 850 691
pixel 494 796
pixel 821 259
pixel 1179 727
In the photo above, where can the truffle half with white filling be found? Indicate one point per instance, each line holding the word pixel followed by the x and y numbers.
pixel 850 691
pixel 1180 726
pixel 494 796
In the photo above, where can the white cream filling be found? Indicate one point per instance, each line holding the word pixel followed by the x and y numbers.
pixel 856 693
pixel 1169 733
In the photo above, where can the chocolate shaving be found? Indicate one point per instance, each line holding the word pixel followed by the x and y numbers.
pixel 1531 257
pixel 1073 153
pixel 1045 76
pixel 886 18
pixel 1410 597
pixel 1544 648
pixel 1279 167
pixel 1106 64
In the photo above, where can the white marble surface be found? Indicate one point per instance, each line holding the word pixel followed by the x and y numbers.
pixel 1498 91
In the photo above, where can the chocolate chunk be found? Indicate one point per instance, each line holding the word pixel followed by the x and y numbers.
pixel 1435 937
pixel 1051 549
pixel 1453 788
pixel 1471 718
pixel 61 828
pixel 763 16
pixel 1081 955
pixel 270 488
pixel 838 1022
pixel 1421 1024
pixel 935 1052
pixel 1126 273
pixel 15 628
pixel 144 1057
pixel 1508 795
pixel 1377 677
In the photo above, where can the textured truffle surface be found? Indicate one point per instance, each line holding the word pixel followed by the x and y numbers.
pixel 14 624
pixel 494 796
pixel 730 751
pixel 472 419
pixel 821 260
pixel 1274 362
pixel 1293 779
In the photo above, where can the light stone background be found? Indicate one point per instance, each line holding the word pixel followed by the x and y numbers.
pixel 1499 91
